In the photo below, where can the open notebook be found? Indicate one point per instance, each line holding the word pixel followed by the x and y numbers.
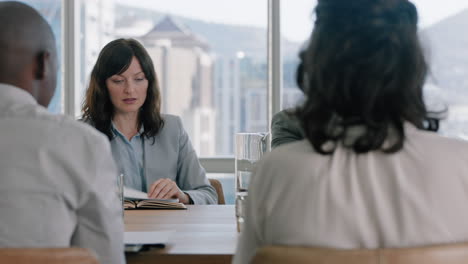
pixel 134 199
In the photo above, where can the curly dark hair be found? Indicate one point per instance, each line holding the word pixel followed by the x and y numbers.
pixel 364 65
pixel 115 58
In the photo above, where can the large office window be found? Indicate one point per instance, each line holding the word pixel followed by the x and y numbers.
pixel 51 10
pixel 296 26
pixel 442 33
pixel 212 64
pixel 209 55
pixel 218 87
pixel 442 27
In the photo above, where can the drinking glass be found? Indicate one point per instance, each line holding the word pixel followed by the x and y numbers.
pixel 121 192
pixel 250 147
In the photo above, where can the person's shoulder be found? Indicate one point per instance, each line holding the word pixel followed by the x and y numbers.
pixel 171 129
pixel 436 141
pixel 286 154
pixel 172 123
pixel 286 162
pixel 68 128
pixel 284 115
pixel 286 120
pixel 296 148
pixel 86 121
pixel 171 119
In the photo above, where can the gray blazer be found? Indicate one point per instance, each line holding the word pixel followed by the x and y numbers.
pixel 171 156
pixel 285 128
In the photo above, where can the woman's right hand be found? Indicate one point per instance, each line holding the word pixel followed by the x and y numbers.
pixel 167 189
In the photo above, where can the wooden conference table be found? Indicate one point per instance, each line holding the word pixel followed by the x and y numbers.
pixel 203 234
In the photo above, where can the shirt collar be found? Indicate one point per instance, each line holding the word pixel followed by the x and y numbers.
pixel 116 132
pixel 13 94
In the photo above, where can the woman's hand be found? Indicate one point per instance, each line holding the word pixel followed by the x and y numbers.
pixel 167 189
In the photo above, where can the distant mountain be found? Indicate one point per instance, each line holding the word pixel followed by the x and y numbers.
pixel 225 40
pixel 446 45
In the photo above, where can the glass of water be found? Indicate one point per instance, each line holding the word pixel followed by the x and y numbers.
pixel 121 192
pixel 250 147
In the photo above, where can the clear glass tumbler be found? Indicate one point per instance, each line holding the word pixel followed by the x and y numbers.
pixel 250 147
pixel 121 192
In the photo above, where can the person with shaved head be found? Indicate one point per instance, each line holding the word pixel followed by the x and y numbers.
pixel 57 175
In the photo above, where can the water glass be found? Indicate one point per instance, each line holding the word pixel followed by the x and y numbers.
pixel 250 147
pixel 121 191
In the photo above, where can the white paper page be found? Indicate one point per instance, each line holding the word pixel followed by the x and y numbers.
pixel 147 237
pixel 134 194
pixel 131 193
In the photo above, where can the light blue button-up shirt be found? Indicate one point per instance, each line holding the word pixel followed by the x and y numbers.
pixel 132 166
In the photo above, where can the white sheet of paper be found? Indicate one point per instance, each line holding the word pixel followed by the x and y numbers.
pixel 130 193
pixel 134 194
pixel 147 237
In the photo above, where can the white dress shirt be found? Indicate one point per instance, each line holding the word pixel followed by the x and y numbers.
pixel 417 196
pixel 57 181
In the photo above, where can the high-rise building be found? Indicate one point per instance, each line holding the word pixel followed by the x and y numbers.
pixel 184 66
pixel 228 103
pixel 240 99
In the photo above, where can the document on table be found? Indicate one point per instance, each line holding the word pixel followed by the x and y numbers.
pixel 147 237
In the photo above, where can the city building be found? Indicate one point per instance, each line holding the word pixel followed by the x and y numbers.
pixel 184 66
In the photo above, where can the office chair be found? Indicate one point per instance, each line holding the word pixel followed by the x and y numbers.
pixel 438 254
pixel 219 190
pixel 47 256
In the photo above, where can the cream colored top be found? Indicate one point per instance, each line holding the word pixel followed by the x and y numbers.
pixel 417 196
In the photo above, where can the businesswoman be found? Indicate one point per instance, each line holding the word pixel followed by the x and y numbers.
pixel 151 149
pixel 371 172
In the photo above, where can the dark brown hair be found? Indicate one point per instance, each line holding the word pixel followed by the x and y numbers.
pixel 364 65
pixel 115 58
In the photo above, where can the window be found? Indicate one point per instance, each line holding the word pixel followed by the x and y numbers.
pixel 217 87
pixel 51 10
pixel 296 26
pixel 442 24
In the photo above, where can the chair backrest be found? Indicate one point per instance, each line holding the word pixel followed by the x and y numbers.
pixel 47 256
pixel 440 254
pixel 219 190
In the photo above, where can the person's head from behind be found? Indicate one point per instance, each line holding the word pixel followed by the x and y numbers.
pixel 364 66
pixel 123 82
pixel 28 56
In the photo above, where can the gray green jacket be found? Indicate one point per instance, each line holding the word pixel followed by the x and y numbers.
pixel 285 128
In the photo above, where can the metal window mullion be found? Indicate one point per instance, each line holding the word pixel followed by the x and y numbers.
pixel 274 61
pixel 70 54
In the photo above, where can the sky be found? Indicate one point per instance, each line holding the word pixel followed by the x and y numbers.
pixel 296 22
